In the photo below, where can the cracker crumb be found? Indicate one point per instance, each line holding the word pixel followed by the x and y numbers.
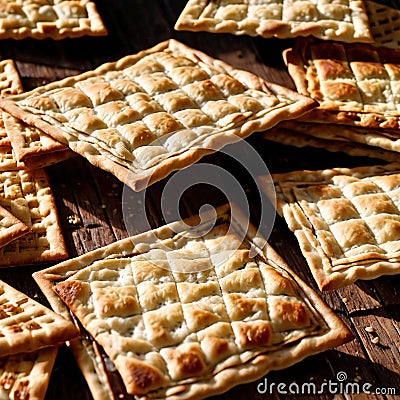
pixel 74 219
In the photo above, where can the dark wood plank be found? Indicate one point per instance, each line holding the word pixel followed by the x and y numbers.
pixel 110 191
pixel 85 214
pixel 386 288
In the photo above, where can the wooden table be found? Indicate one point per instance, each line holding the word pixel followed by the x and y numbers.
pixel 96 197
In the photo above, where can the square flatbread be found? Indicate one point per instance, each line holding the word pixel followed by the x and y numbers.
pixel 362 142
pixel 160 110
pixel 50 19
pixel 25 376
pixel 191 309
pixel 344 21
pixel 27 195
pixel 346 221
pixel 11 227
pixel 354 84
pixel 26 325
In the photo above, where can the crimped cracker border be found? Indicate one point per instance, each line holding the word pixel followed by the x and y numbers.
pixel 327 29
pixel 12 84
pixel 50 30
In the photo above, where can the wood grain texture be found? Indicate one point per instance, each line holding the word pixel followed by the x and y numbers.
pixel 91 202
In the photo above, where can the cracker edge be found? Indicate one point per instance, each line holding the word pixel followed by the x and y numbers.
pixel 291 137
pixel 57 332
pixel 54 234
pixel 97 28
pixel 190 20
pixel 15 231
pixel 13 77
pixel 295 59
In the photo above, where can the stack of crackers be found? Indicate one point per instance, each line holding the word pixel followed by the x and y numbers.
pixel 351 21
pixel 170 313
pixel 356 86
pixel 30 233
pixel 346 57
pixel 30 230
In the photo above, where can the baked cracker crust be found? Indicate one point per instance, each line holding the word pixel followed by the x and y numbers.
pixel 346 22
pixel 54 19
pixel 249 363
pixel 354 84
pixel 157 111
pixel 10 82
pixel 8 161
pixel 11 228
pixel 28 141
pixel 27 325
pixel 27 375
pixel 345 221
pixel 384 24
